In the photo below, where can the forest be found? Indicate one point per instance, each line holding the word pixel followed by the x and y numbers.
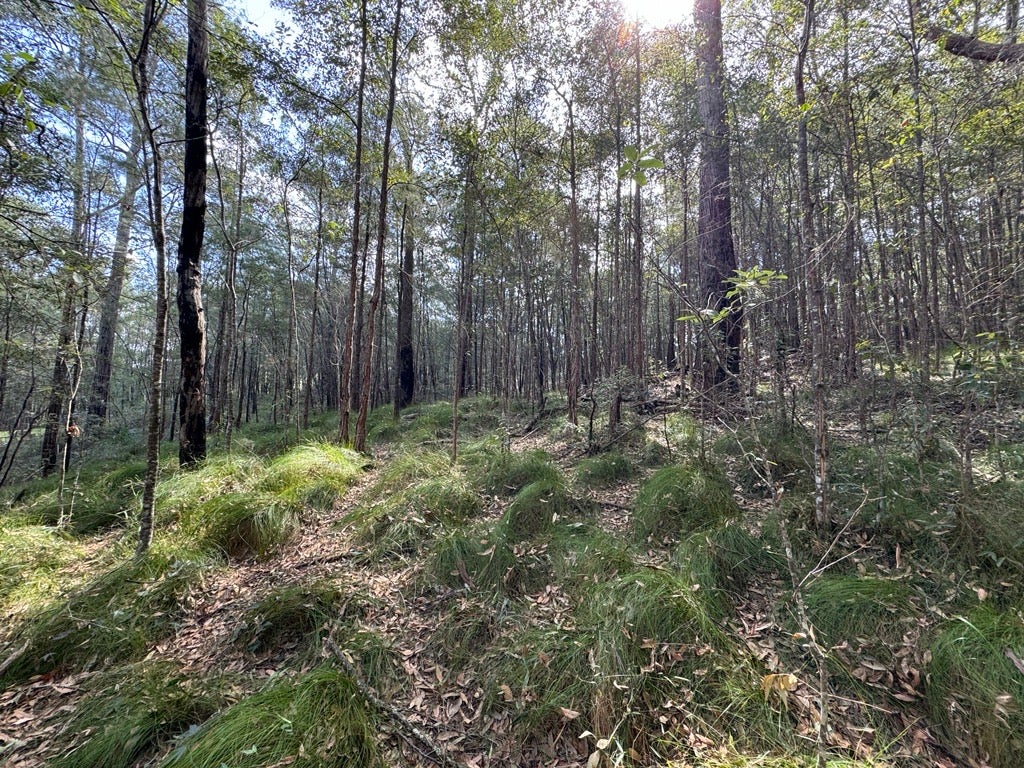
pixel 511 382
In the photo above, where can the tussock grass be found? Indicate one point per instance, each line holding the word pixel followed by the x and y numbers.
pixel 481 559
pixel 990 522
pixel 724 560
pixel 313 475
pixel 243 524
pixel 97 496
pixel 316 719
pixel 635 643
pixel 538 507
pixel 909 500
pixel 183 492
pixel 466 631
pixel 31 558
pixel 132 711
pixel 112 618
pixel 293 614
pixel 603 470
pixel 583 553
pixel 415 497
pixel 974 690
pixel 682 498
pixel 776 447
pixel 503 473
pixel 862 609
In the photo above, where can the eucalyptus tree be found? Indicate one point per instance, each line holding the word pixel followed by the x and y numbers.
pixel 722 311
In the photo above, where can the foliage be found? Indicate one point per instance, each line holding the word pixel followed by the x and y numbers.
pixel 243 524
pixel 133 710
pixel 113 617
pixel 314 475
pixel 864 609
pixel 316 719
pixel 537 508
pixel 603 470
pixel 289 614
pixel 771 448
pixel 505 473
pixel 682 498
pixel 417 495
pixel 975 690
pixel 723 560
pixel 31 558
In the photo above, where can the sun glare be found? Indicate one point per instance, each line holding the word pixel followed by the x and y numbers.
pixel 658 13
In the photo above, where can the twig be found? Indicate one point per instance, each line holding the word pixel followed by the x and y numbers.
pixel 436 753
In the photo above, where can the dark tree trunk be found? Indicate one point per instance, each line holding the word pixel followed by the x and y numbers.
pixel 405 370
pixel 191 320
pixel 716 254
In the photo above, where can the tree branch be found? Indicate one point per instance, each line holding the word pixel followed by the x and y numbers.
pixel 972 47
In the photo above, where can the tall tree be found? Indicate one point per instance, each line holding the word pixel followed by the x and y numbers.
pixel 716 253
pixel 191 319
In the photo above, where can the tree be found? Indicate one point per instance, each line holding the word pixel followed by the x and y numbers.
pixel 191 319
pixel 716 255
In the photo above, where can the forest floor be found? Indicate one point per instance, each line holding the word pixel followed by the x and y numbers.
pixel 441 641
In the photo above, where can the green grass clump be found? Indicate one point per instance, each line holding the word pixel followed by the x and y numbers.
pixel 415 497
pixel 775 448
pixel 290 614
pixel 974 690
pixel 990 522
pixel 464 632
pixel 504 473
pixel 31 557
pixel 184 491
pixel 318 719
pixel 634 643
pixel 478 559
pixel 537 508
pixel 859 609
pixel 133 712
pixel 583 552
pixel 682 498
pixel 604 470
pixel 114 617
pixel 314 475
pixel 723 560
pixel 243 524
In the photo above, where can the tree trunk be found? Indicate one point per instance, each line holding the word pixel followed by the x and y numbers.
pixel 716 254
pixel 382 221
pixel 405 371
pixel 191 320
pixel 99 396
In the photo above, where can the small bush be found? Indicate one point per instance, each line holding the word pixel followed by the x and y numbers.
pixel 974 690
pixel 316 719
pixel 133 711
pixel 682 498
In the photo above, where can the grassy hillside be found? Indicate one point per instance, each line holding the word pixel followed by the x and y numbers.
pixel 651 596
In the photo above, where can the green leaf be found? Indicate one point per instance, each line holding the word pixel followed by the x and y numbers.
pixel 631 153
